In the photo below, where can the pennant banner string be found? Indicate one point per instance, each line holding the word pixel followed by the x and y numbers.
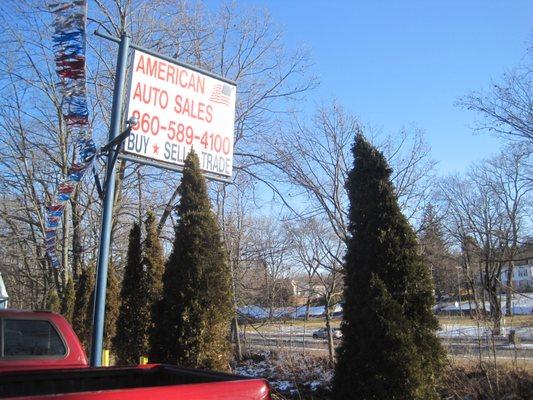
pixel 69 45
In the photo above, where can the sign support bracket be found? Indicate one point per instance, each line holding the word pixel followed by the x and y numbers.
pixel 113 147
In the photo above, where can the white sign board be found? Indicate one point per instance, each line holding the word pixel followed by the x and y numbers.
pixel 179 109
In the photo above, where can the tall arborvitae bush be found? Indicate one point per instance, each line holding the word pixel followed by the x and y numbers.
pixel 68 300
pixel 112 307
pixel 389 348
pixel 131 320
pixel 153 267
pixel 193 327
pixel 141 288
pixel 52 302
pixel 83 306
pixel 82 320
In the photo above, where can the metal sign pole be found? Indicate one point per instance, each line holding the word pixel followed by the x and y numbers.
pixel 109 191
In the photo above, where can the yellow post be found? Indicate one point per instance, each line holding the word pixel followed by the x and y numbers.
pixel 143 360
pixel 105 358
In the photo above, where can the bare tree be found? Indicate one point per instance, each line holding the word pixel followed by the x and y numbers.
pixel 507 176
pixel 477 220
pixel 319 252
pixel 36 148
pixel 331 276
pixel 236 230
pixel 270 257
pixel 315 161
pixel 307 255
pixel 242 45
pixel 507 109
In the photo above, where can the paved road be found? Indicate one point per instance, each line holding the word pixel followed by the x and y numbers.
pixel 456 346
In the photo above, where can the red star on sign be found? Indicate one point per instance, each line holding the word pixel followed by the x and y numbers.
pixel 156 148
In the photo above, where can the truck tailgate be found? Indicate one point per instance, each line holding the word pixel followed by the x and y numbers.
pixel 253 389
pixel 158 382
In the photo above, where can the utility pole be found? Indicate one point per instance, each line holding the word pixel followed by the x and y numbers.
pixel 459 291
pixel 109 192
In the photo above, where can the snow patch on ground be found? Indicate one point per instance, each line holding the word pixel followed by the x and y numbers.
pixel 257 312
pixel 283 370
pixel 522 304
pixel 469 332
pixel 283 386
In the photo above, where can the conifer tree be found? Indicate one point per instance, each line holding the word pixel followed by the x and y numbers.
pixel 83 306
pixel 132 322
pixel 389 347
pixel 193 327
pixel 129 322
pixel 69 298
pixel 141 288
pixel 112 307
pixel 154 259
pixel 436 254
pixel 153 267
pixel 51 302
pixel 82 319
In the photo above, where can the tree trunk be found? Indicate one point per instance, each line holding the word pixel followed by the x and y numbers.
pixel 491 285
pixel 331 350
pixel 508 289
pixel 64 252
pixel 166 212
pixel 140 195
pixel 77 248
pixel 483 298
pixel 238 349
pixel 269 290
pixel 473 293
pixel 307 307
pixel 496 313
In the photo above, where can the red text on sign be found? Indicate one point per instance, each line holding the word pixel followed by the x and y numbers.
pixel 190 108
pixel 151 95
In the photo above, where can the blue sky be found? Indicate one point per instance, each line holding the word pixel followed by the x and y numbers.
pixel 399 63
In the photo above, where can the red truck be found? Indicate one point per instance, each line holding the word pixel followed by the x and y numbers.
pixel 42 358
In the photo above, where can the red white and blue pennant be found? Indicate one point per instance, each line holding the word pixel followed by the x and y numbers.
pixel 69 44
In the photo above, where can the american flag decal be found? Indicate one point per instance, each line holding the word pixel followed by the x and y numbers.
pixel 221 94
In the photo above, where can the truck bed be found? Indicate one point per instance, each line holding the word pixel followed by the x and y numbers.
pixel 154 381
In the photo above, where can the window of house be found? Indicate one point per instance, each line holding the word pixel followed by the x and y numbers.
pixel 24 337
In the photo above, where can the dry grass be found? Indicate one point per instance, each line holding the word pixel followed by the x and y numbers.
pixel 463 379
pixel 506 363
pixel 293 375
pixel 311 324
pixel 467 377
pixel 516 321
pixel 472 381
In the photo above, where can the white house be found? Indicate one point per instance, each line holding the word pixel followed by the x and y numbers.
pixel 3 294
pixel 522 277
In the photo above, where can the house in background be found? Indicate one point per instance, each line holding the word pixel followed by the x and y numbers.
pixel 3 294
pixel 522 277
pixel 302 290
pixel 523 268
